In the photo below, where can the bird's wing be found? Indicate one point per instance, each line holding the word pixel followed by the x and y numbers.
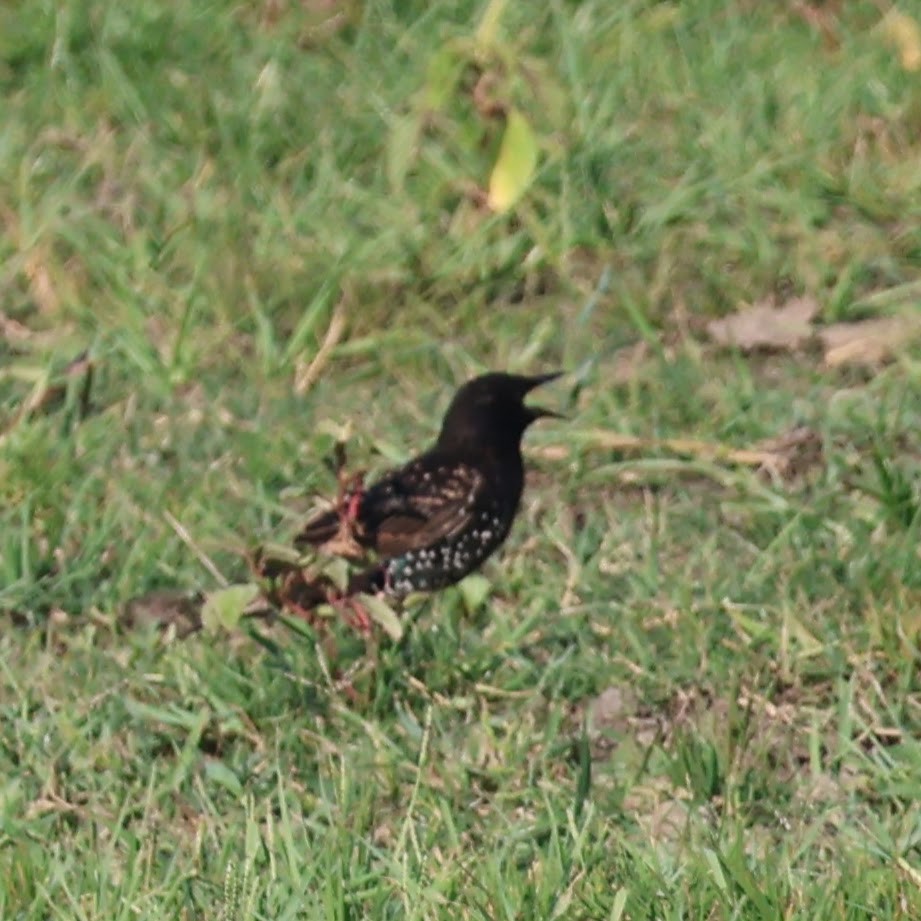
pixel 420 505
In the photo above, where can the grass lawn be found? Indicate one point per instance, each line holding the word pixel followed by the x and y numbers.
pixel 688 687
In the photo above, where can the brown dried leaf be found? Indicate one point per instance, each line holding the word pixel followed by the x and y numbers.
pixel 163 609
pixel 869 342
pixel 611 708
pixel 764 326
pixel 790 454
pixel 669 820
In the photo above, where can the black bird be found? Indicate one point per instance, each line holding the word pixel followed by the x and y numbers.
pixel 437 518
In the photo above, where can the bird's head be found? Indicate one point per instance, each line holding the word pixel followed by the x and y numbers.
pixel 490 410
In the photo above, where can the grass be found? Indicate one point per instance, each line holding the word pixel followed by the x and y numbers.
pixel 691 690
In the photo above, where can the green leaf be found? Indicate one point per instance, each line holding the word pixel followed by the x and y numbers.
pixel 619 904
pixel 336 570
pixel 515 164
pixel 281 553
pixel 383 615
pixel 474 591
pixel 224 608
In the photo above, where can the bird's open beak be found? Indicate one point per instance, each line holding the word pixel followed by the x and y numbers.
pixel 539 379
pixel 538 412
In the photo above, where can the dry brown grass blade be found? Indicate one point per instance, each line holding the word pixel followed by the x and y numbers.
pixel 868 342
pixel 306 374
pixel 183 534
pixel 781 455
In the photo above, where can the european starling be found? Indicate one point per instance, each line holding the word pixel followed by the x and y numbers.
pixel 437 518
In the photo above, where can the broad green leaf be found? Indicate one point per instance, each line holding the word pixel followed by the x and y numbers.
pixel 515 164
pixel 224 608
pixel 383 615
pixel 474 591
pixel 281 552
pixel 336 570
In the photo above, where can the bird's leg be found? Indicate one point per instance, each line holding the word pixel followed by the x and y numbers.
pixel 354 613
pixel 349 489
pixel 351 493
